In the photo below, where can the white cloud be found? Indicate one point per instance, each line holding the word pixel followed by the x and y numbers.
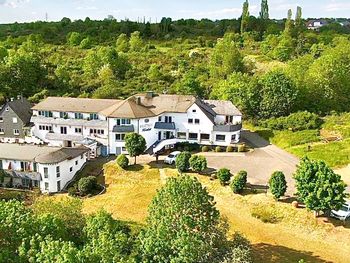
pixel 13 3
pixel 86 8
pixel 336 6
pixel 217 13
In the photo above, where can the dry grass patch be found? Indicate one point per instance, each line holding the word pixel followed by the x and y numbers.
pixel 129 192
pixel 295 235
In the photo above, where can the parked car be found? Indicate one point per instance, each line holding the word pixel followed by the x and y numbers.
pixel 171 158
pixel 343 213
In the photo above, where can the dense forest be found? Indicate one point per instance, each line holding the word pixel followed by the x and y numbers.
pixel 268 68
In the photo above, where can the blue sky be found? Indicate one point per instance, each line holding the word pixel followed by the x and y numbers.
pixel 33 10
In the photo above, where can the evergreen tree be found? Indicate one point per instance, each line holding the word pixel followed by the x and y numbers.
pixel 298 20
pixel 245 16
pixel 289 23
pixel 264 13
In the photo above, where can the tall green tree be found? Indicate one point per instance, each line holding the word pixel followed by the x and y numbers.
pixel 226 58
pixel 243 90
pixel 328 80
pixel 245 17
pixel 135 144
pixel 183 224
pixel 319 187
pixel 136 42
pixel 264 13
pixel 278 94
pixel 73 38
pixel 299 24
pixel 122 44
pixel 289 23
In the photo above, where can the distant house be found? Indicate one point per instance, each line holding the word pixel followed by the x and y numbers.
pixel 316 24
pixel 344 23
pixel 48 168
pixel 15 120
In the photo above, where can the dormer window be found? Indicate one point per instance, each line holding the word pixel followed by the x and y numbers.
pixel 79 116
pixel 63 115
pixel 93 116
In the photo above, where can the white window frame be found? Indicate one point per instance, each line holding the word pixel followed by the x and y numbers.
pixel 16 131
pixel 14 120
pixel 46 172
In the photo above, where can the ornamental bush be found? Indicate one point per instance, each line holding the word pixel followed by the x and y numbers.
pixel 230 149
pixel 205 148
pixel 183 162
pixel 278 184
pixel 239 181
pixel 241 148
pixel 298 121
pixel 218 149
pixel 224 175
pixel 123 161
pixel 87 185
pixel 198 163
pixel 72 191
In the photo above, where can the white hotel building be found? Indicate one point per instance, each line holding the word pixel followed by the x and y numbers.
pixel 48 168
pixel 162 120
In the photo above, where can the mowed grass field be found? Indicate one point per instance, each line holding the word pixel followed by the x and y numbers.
pixel 297 234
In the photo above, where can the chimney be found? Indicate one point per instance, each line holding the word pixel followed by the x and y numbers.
pixel 138 100
pixel 149 94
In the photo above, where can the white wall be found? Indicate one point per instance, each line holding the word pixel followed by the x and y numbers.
pixel 65 174
pixel 112 142
pixel 56 128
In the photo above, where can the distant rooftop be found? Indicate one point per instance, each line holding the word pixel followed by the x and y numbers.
pixel 138 106
pixel 82 105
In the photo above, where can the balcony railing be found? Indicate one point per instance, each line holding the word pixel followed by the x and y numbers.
pixel 228 127
pixel 70 122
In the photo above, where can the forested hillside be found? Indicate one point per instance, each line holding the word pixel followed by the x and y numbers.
pixel 267 68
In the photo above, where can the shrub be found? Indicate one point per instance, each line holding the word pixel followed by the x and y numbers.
pixel 229 149
pixel 296 121
pixel 87 185
pixel 239 251
pixel 224 175
pixel 205 148
pixel 266 213
pixel 218 149
pixel 239 181
pixel 183 162
pixel 186 146
pixel 198 163
pixel 241 148
pixel 72 191
pixel 278 184
pixel 123 161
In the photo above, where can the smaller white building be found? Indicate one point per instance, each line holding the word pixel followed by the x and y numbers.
pixel 316 24
pixel 46 168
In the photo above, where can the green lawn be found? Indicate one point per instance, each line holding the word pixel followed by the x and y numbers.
pixel 312 143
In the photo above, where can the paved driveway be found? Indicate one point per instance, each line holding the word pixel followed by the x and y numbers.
pixel 260 164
